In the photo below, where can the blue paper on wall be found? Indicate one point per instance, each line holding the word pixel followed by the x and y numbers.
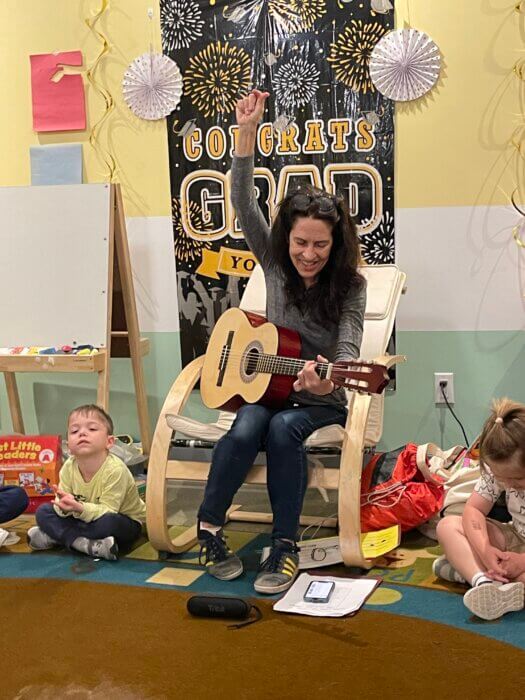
pixel 56 165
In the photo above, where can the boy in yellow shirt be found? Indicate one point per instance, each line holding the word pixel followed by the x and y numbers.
pixel 97 509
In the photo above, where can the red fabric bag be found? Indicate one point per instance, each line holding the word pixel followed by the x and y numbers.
pixel 394 490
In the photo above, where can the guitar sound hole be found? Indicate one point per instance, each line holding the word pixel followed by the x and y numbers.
pixel 249 367
pixel 250 363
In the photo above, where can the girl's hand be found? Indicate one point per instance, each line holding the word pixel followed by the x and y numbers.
pixel 67 502
pixel 249 110
pixel 309 380
pixel 514 564
pixel 495 562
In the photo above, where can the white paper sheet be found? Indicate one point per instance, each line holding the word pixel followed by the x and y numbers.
pixel 348 596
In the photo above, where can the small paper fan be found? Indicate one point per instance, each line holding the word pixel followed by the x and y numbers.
pixel 404 64
pixel 152 86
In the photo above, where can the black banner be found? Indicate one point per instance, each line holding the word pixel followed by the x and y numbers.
pixel 325 124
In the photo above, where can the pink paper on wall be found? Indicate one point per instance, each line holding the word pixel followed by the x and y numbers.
pixel 57 106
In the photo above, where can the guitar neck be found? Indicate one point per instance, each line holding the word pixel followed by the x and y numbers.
pixel 277 364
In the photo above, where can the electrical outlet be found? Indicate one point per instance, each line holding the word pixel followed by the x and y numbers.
pixel 447 377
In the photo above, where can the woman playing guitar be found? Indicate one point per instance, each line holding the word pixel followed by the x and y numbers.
pixel 309 258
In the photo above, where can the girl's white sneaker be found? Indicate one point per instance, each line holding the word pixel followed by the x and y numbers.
pixel 492 600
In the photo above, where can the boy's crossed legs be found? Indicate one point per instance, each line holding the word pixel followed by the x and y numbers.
pixel 102 537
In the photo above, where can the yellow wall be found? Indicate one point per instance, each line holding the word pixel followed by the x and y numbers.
pixel 139 147
pixel 452 146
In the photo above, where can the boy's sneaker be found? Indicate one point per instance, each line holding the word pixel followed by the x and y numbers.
pixel 492 600
pixel 37 539
pixel 219 560
pixel 279 570
pixel 442 568
pixel 107 548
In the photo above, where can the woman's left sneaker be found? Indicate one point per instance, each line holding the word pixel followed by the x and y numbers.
pixel 279 570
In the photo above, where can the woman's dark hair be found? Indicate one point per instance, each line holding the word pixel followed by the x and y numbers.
pixel 325 299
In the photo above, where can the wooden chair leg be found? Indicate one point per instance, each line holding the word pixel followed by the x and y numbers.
pixel 156 496
pixel 14 403
pixel 349 506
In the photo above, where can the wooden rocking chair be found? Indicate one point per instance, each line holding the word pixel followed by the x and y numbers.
pixel 362 431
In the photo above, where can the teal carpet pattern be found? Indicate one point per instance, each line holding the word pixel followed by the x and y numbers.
pixel 441 606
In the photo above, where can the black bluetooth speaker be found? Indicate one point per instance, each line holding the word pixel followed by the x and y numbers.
pixel 215 606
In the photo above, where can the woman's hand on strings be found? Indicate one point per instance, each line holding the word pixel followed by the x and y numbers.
pixel 249 110
pixel 309 380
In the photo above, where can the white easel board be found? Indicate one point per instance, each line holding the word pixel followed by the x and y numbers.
pixel 55 265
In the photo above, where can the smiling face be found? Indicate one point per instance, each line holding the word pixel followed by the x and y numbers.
pixel 309 247
pixel 87 435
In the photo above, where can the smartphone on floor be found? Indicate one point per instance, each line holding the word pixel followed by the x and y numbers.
pixel 319 591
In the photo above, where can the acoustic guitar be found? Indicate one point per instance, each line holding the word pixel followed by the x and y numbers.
pixel 249 360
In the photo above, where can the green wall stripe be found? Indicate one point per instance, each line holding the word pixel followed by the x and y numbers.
pixel 486 364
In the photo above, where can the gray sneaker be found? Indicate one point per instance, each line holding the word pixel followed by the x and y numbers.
pixel 106 548
pixel 279 570
pixel 442 568
pixel 37 539
pixel 492 600
pixel 219 560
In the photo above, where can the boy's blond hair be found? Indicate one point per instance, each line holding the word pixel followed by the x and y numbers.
pixel 88 409
pixel 503 435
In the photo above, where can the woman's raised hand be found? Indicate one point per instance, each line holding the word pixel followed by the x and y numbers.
pixel 249 110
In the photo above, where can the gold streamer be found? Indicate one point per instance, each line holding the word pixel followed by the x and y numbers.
pixel 514 203
pixel 516 234
pixel 105 155
pixel 519 68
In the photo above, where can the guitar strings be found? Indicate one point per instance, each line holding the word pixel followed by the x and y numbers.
pixel 275 364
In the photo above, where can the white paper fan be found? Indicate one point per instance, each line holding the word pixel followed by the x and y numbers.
pixel 152 86
pixel 404 64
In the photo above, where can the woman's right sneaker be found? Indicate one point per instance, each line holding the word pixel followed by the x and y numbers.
pixel 219 560
pixel 492 600
pixel 37 539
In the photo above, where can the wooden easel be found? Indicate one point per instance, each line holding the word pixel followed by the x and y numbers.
pixel 122 338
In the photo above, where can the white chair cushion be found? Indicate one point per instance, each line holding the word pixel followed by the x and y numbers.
pixel 329 436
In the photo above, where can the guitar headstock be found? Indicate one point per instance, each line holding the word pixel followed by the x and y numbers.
pixel 364 377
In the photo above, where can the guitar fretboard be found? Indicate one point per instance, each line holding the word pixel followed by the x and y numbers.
pixel 277 364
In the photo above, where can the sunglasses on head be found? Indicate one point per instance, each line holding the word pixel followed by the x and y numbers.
pixel 303 200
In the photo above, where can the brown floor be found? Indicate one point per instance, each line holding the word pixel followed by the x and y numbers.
pixel 76 639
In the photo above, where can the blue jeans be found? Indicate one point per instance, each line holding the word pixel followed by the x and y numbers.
pixel 282 433
pixel 13 502
pixel 66 530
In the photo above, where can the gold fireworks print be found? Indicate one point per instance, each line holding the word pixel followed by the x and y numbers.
pixel 350 54
pixel 296 15
pixel 188 248
pixel 216 77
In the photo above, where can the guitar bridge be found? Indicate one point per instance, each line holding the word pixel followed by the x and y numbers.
pixel 225 353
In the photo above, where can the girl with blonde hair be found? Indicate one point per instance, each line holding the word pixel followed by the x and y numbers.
pixel 486 553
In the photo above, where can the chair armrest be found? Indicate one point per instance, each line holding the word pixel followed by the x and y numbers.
pixel 182 387
pixel 349 499
pixel 389 360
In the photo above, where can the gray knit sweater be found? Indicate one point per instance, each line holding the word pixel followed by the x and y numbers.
pixel 340 342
